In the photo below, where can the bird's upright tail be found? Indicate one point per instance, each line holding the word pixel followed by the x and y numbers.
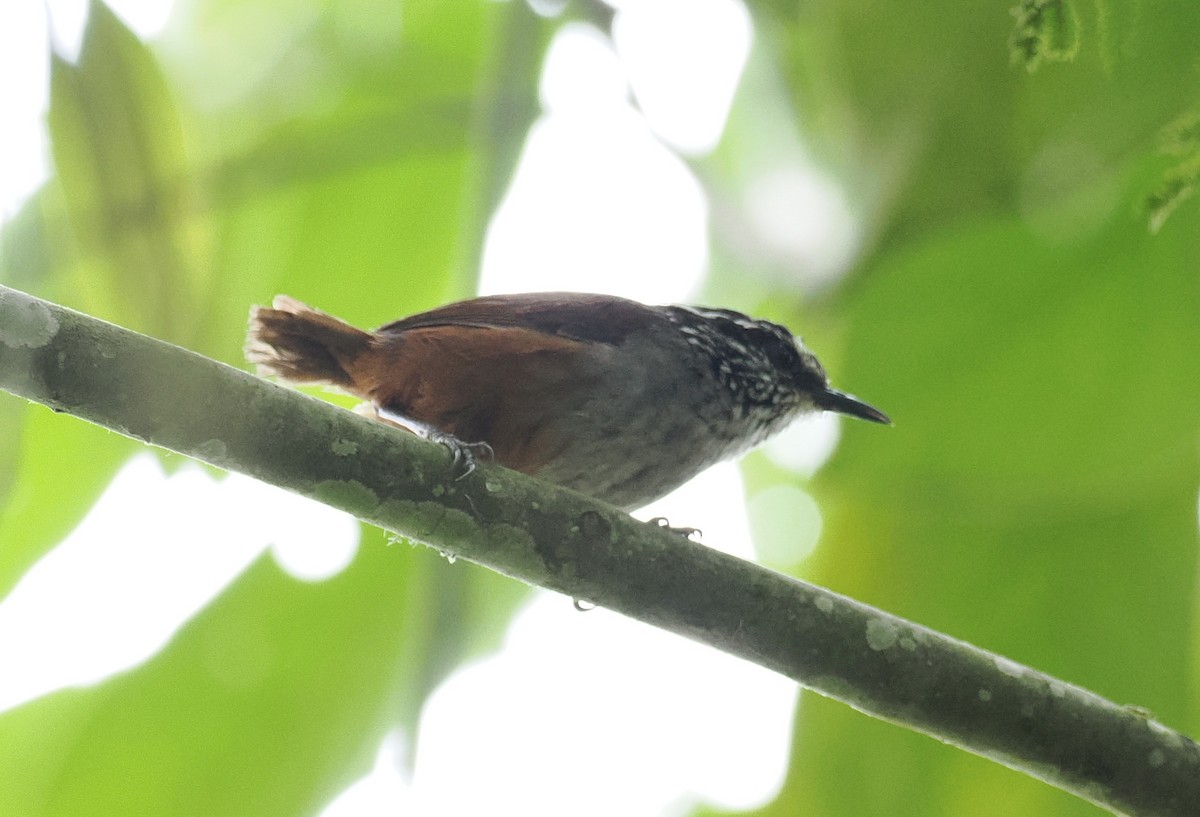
pixel 297 343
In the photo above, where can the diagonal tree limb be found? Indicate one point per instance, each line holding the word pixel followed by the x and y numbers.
pixel 1116 757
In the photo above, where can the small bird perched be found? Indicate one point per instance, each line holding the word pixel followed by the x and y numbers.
pixel 615 399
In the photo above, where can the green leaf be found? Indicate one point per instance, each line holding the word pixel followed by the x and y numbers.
pixel 59 466
pixel 345 161
pixel 1044 30
pixel 919 112
pixel 1177 184
pixel 1037 495
pixel 120 171
pixel 118 154
pixel 270 702
pixel 1037 348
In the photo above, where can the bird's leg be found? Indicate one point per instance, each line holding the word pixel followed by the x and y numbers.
pixel 686 533
pixel 464 453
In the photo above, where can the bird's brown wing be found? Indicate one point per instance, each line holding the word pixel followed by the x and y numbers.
pixel 596 318
pixel 508 386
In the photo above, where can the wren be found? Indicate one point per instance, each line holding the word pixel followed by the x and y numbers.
pixel 615 399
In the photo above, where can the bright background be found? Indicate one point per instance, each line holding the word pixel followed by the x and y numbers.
pixel 988 235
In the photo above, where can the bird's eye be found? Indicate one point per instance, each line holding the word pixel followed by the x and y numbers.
pixel 782 354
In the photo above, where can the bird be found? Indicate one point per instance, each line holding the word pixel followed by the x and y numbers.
pixel 615 399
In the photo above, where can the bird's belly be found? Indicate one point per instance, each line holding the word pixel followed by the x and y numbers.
pixel 632 463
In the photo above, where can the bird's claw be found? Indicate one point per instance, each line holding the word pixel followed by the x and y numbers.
pixel 686 533
pixel 464 454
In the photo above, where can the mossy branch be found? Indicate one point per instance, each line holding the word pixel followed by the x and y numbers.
pixel 1116 757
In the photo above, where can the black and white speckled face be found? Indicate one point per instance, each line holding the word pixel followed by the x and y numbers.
pixel 764 367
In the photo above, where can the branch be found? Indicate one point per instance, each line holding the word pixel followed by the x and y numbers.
pixel 1116 757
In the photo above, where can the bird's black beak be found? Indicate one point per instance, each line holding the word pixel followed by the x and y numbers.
pixel 842 403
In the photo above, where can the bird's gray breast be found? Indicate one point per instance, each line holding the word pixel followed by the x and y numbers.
pixel 653 414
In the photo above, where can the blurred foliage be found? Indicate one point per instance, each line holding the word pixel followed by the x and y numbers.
pixel 1025 303
pixel 348 155
pixel 1036 342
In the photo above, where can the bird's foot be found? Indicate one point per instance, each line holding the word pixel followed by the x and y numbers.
pixel 686 533
pixel 465 454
